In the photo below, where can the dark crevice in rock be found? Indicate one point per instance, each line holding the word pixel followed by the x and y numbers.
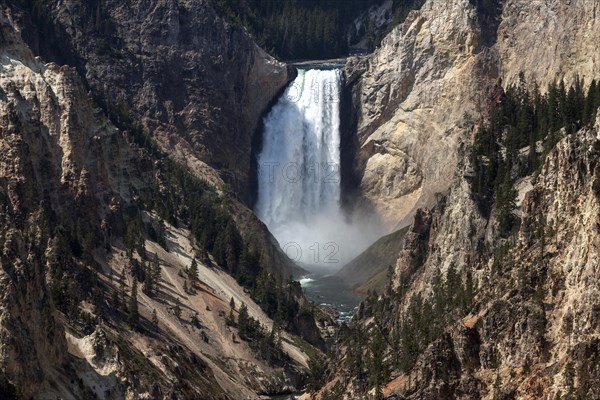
pixel 349 145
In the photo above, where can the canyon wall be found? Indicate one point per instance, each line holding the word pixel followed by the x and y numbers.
pixel 412 104
pixel 195 83
pixel 471 312
pixel 176 73
pixel 77 174
pixel 532 329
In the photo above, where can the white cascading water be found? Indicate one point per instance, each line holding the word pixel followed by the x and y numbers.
pixel 299 173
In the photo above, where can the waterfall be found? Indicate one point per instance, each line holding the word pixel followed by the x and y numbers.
pixel 299 172
pixel 299 162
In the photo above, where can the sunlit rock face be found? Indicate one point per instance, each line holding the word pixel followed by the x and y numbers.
pixel 415 99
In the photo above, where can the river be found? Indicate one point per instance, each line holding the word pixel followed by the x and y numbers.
pixel 325 290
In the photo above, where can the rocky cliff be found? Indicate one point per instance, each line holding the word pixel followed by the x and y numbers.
pixel 90 207
pixel 570 33
pixel 473 311
pixel 472 314
pixel 195 83
pixel 412 103
pixel 411 96
pixel 83 206
pixel 176 73
pixel 55 151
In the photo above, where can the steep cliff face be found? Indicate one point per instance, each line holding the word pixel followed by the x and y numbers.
pixel 33 349
pixel 570 33
pixel 75 192
pixel 59 160
pixel 415 98
pixel 177 73
pixel 195 83
pixel 412 95
pixel 470 314
pixel 530 344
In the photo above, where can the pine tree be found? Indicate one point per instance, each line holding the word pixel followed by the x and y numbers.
pixel 377 368
pixel 591 105
pixel 243 322
pixel 161 234
pixel 317 371
pixel 356 360
pixel 177 308
pixel 148 286
pixel 553 108
pixel 154 271
pixel 88 246
pixel 193 272
pixel 453 286
pixel 439 295
pixel 122 289
pixel 505 203
pixel 562 112
pixel 154 319
pixel 132 307
pixel 115 299
pixel 230 320
pixel 131 238
pixel 144 276
pixel 469 292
